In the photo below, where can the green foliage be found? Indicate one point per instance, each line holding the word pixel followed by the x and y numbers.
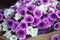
pixel 59 38
pixel 58 20
pixel 58 7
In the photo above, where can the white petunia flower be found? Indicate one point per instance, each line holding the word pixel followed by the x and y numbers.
pixel 5 28
pixel 17 4
pixel 0 27
pixel 7 12
pixel 43 8
pixel 35 32
pixel 29 30
pixel 7 34
pixel 17 16
pixel 13 37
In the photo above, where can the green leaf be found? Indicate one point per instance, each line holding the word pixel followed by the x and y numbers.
pixel 58 7
pixel 58 20
pixel 59 38
pixel 51 1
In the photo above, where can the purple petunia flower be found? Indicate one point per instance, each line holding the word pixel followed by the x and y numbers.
pixel 27 1
pixel 57 26
pixel 29 18
pixel 36 22
pixel 48 22
pixel 42 25
pixel 21 34
pixel 10 23
pixel 30 7
pixel 54 37
pixel 58 14
pixel 53 16
pixel 45 1
pixel 37 13
pixel 23 25
pixel 15 26
pixel 22 11
pixel 1 16
pixel 51 8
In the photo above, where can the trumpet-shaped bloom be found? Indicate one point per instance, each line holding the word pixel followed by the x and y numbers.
pixel 17 16
pixel 54 37
pixel 21 33
pixel 36 22
pixel 42 25
pixel 23 25
pixel 30 7
pixel 7 12
pixel 22 11
pixel 35 32
pixel 29 30
pixel 7 34
pixel 13 37
pixel 5 28
pixel 53 16
pixel 29 19
pixel 14 28
pixel 51 8
pixel 37 13
pixel 57 26
pixel 10 23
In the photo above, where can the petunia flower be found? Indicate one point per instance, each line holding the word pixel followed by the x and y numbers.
pixel 51 8
pixel 27 1
pixel 30 7
pixel 21 11
pixel 15 26
pixel 35 32
pixel 37 13
pixel 45 1
pixel 29 30
pixel 57 26
pixel 36 22
pixel 1 16
pixel 13 37
pixel 7 12
pixel 7 34
pixel 17 4
pixel 29 18
pixel 21 33
pixel 43 8
pixel 53 16
pixel 42 25
pixel 9 23
pixel 54 37
pixel 17 16
pixel 58 14
pixel 23 25
pixel 5 28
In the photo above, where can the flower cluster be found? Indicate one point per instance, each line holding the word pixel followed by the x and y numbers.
pixel 27 17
